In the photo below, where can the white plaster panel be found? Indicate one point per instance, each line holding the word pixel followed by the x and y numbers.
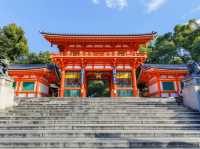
pixel 153 88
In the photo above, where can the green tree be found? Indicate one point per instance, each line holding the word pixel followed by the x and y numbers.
pixel 164 49
pixel 184 36
pixel 13 43
pixel 194 47
pixel 36 58
pixel 44 57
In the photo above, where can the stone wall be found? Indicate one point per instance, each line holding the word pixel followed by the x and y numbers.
pixel 6 92
pixel 191 92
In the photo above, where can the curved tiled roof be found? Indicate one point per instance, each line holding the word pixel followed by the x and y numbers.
pixel 29 66
pixel 35 66
pixel 76 34
pixel 166 66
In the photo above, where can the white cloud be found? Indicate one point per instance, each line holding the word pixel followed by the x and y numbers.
pixel 118 4
pixel 154 5
pixel 96 1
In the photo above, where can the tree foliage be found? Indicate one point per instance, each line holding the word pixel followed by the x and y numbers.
pixel 14 47
pixel 167 47
pixel 13 42
pixel 36 58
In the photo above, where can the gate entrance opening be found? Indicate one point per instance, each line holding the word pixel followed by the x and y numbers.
pixel 98 84
pixel 98 88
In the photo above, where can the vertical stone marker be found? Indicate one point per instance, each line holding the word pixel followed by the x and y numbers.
pixel 6 92
pixel 6 85
pixel 191 89
pixel 191 92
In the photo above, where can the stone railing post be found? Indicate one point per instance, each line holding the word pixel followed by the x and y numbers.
pixel 6 92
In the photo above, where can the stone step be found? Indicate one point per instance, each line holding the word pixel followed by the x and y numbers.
pixel 116 99
pixel 95 112
pixel 97 148
pixel 96 125
pixel 99 143
pixel 187 121
pixel 103 118
pixel 104 109
pixel 104 112
pixel 80 100
pixel 101 107
pixel 100 103
pixel 10 117
pixel 96 103
pixel 100 116
pixel 101 100
pixel 86 102
pixel 103 123
pixel 101 126
pixel 98 107
pixel 128 134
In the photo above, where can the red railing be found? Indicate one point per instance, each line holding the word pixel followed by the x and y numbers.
pixel 98 54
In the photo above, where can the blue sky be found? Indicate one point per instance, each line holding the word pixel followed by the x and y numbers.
pixel 95 16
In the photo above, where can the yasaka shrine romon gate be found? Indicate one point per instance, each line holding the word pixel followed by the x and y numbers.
pixel 83 58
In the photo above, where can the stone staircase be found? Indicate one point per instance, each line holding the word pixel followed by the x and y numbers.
pixel 99 123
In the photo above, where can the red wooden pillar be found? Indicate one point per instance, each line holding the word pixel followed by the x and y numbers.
pixel 177 85
pixel 83 90
pixel 114 81
pixel 158 85
pixel 134 81
pixel 37 88
pixel 18 86
pixel 62 83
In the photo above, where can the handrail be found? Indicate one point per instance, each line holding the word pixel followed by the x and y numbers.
pixel 98 54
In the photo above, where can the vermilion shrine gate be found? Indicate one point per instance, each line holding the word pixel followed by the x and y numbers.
pixel 82 58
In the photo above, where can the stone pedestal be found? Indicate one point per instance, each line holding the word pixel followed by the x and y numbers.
pixel 6 92
pixel 191 92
